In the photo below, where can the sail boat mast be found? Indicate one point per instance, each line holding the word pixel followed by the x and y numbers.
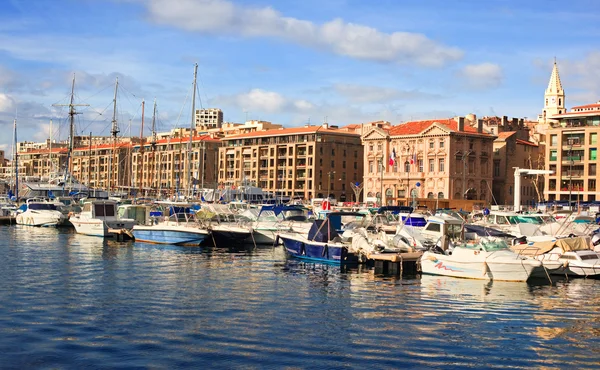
pixel 192 127
pixel 153 145
pixel 114 131
pixel 141 162
pixel 72 114
pixel 16 160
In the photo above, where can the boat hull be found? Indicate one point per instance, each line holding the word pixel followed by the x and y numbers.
pixel 482 265
pixel 40 219
pixel 96 227
pixel 169 235
pixel 334 253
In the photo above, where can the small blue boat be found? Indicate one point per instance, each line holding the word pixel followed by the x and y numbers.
pixel 179 228
pixel 323 242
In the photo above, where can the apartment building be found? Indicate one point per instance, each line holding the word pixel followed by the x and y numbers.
pixel 572 153
pixel 105 166
pixel 208 118
pixel 175 164
pixel 308 162
pixel 444 159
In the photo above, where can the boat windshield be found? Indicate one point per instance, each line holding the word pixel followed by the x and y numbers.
pixel 454 231
pixel 42 206
pixel 589 257
pixel 514 220
pixel 488 246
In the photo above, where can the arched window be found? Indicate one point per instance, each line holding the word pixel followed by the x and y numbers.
pixel 389 193
pixel 430 195
pixel 440 195
pixel 369 194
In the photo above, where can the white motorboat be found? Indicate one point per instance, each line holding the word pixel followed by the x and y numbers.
pixel 99 218
pixel 565 256
pixel 480 259
pixel 39 213
pixel 225 225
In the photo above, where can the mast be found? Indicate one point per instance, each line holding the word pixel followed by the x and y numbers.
pixel 192 126
pixel 153 145
pixel 90 161
pixel 114 131
pixel 50 153
pixel 141 161
pixel 72 113
pixel 16 160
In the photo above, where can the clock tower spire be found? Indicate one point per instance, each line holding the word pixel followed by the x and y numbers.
pixel 554 97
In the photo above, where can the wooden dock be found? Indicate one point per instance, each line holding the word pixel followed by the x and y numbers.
pixel 395 263
pixel 121 235
pixel 7 220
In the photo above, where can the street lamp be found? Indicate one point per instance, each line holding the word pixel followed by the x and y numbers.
pixel 570 142
pixel 329 174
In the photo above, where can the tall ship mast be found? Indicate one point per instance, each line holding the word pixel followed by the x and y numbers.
pixel 114 132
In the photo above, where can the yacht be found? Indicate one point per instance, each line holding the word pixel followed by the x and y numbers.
pixel 99 218
pixel 39 213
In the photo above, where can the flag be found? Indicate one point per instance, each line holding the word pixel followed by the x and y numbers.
pixel 393 157
pixel 413 159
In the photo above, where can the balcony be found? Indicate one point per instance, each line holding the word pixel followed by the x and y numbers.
pixel 573 158
pixel 572 174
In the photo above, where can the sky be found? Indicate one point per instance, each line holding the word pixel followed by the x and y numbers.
pixel 287 62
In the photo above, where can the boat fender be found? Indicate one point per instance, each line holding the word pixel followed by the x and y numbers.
pixel 485 268
pixel 565 265
pixel 70 214
pixel 325 251
pixel 302 249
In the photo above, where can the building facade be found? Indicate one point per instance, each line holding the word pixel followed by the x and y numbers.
pixel 208 118
pixel 308 162
pixel 444 159
pixel 175 164
pixel 572 153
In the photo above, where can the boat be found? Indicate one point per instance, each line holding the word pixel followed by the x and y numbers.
pixel 99 218
pixel 324 242
pixel 563 256
pixel 39 213
pixel 225 225
pixel 176 225
pixel 7 209
pixel 484 258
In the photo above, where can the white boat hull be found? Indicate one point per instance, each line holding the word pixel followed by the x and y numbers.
pixel 36 218
pixel 98 227
pixel 502 265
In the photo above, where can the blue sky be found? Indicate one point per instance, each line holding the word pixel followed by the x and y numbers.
pixel 288 62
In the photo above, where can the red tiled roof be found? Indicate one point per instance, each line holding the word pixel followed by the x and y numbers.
pixel 595 105
pixel 505 134
pixel 416 127
pixel 103 146
pixel 39 151
pixel 525 142
pixel 184 139
pixel 584 113
pixel 289 131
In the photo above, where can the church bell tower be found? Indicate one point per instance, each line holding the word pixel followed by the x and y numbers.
pixel 554 98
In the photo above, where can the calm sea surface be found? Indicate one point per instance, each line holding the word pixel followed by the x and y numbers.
pixel 73 301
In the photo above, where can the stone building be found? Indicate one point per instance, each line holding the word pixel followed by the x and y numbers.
pixel 308 162
pixel 445 159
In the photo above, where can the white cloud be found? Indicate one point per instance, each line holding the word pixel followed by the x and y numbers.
pixel 261 100
pixel 482 76
pixel 337 36
pixel 7 104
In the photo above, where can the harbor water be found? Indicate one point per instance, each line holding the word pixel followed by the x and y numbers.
pixel 70 301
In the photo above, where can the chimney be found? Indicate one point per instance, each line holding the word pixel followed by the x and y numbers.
pixel 504 121
pixel 461 124
pixel 325 125
pixel 515 123
pixel 480 126
pixel 521 123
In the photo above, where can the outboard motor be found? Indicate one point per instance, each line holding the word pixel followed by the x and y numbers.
pixel 596 239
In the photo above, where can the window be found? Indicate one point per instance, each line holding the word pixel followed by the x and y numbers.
pixel 432 165
pixel 592 154
pixel 379 147
pixel 441 165
pixel 553 155
pixel 370 166
pixel 371 147
pixel 496 169
pixel 553 140
pixel 593 138
pixel 344 164
pixel 332 151
pixel 442 143
pixel 407 166
pixel 420 163
pixel 332 164
pixel 592 169
pixel 431 144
